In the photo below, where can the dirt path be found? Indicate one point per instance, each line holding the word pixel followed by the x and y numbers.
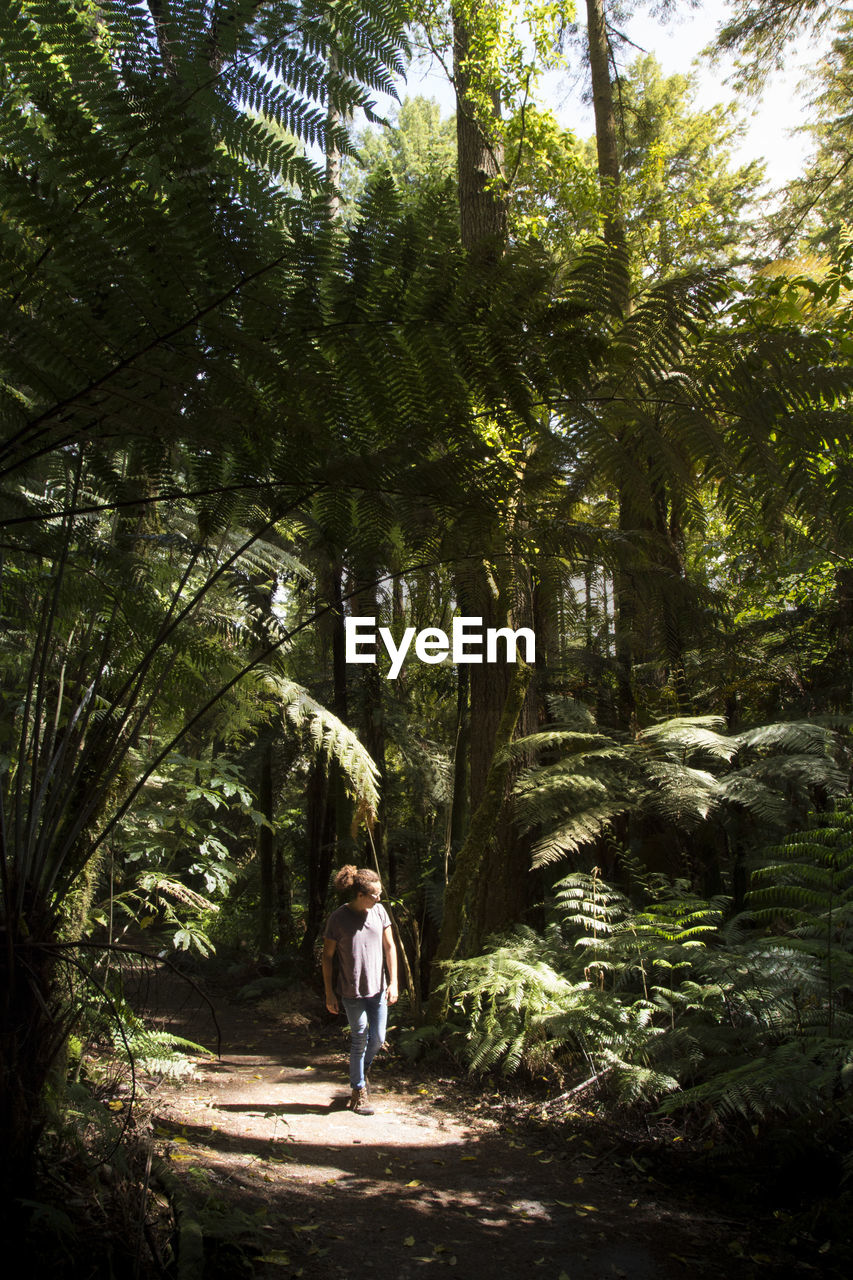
pixel 430 1185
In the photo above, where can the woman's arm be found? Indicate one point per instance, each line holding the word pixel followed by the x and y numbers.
pixel 390 949
pixel 329 949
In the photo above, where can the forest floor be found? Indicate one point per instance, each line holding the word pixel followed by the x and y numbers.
pixel 446 1179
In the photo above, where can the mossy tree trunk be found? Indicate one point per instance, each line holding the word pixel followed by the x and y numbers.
pixel 462 886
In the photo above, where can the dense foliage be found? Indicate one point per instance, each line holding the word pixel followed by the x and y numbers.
pixel 246 395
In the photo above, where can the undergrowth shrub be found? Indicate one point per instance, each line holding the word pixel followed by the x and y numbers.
pixel 733 1020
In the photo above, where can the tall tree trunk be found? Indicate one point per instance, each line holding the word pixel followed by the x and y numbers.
pixel 607 147
pixel 328 808
pixel 333 151
pixel 266 912
pixel 371 717
pixel 481 833
pixel 460 805
pixel 502 891
pixel 321 839
pixel 482 204
pixel 504 887
pixel 844 639
pixel 671 543
pixel 33 1031
pixel 284 931
pixel 609 174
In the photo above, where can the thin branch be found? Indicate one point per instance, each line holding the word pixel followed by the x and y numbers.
pixel 511 180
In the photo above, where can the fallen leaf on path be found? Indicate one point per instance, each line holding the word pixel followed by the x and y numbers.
pixel 413 1183
pixel 409 1241
pixel 276 1258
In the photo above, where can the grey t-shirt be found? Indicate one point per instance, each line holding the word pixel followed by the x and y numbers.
pixel 361 967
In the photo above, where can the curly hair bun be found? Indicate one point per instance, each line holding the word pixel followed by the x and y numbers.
pixel 346 878
pixel 356 880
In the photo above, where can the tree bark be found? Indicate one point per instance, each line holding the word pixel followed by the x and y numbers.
pixel 460 809
pixel 321 847
pixel 371 717
pixel 333 151
pixel 482 203
pixel 328 806
pixel 609 175
pixel 266 911
pixel 482 830
pixel 607 147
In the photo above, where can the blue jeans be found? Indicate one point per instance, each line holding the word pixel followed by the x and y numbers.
pixel 367 1017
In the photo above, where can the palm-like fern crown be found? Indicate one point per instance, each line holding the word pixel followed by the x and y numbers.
pixel 682 772
pixel 152 180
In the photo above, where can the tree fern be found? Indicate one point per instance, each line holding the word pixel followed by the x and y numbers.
pixel 808 883
pixel 684 773
pixel 675 999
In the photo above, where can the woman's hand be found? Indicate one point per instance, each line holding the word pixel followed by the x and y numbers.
pixel 392 993
pixel 332 1002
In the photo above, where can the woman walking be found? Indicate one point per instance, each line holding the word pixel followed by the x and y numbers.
pixel 359 934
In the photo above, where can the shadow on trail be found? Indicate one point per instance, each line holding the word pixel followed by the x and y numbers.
pixel 419 1188
pixel 458 1206
pixel 290 1108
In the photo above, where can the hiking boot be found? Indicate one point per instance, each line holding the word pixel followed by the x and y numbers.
pixel 360 1102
